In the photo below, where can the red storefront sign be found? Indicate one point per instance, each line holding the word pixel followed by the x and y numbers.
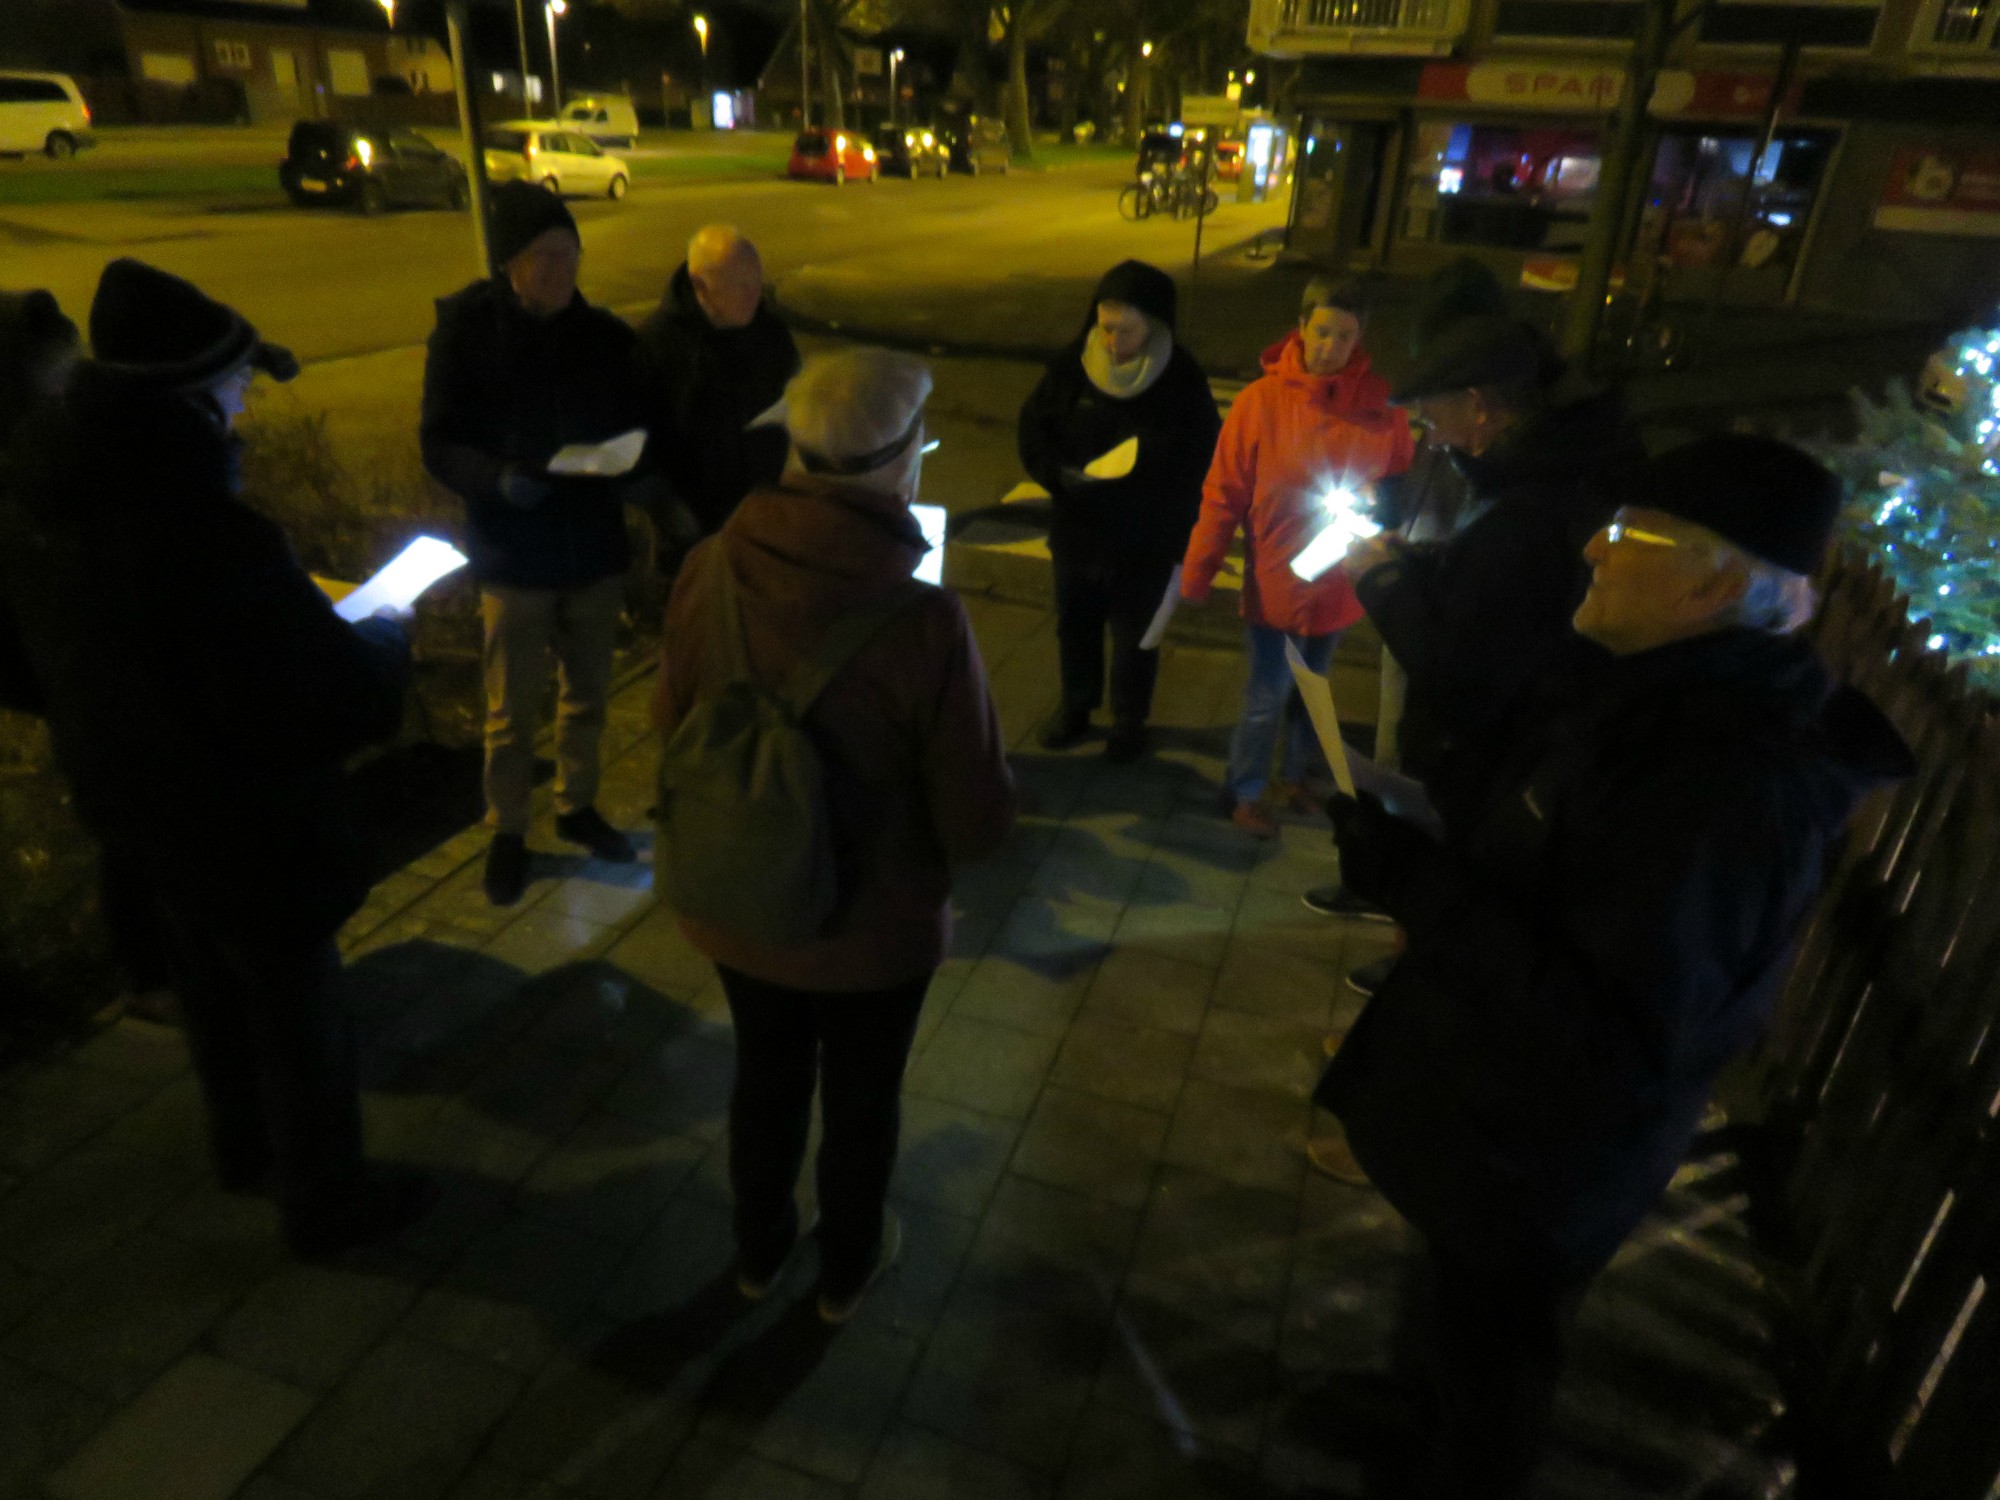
pixel 1582 88
pixel 1942 190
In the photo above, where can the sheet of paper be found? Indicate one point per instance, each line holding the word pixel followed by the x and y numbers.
pixel 932 519
pixel 1402 795
pixel 1318 695
pixel 1169 602
pixel 606 460
pixel 408 574
pixel 1115 464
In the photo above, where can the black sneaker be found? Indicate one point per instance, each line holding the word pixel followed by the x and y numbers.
pixel 1339 901
pixel 588 828
pixel 1066 730
pixel 506 868
pixel 387 1200
pixel 1127 743
pixel 1369 978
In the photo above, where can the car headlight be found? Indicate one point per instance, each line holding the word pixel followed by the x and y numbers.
pixel 909 140
pixel 929 139
pixel 365 149
pixel 840 143
pixel 868 153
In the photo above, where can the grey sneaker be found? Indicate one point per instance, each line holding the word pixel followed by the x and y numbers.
pixel 838 1309
pixel 1369 978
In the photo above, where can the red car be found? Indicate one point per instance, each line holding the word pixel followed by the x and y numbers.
pixel 832 156
pixel 1228 160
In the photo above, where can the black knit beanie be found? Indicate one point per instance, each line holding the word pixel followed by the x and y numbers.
pixel 522 212
pixel 148 325
pixel 1139 285
pixel 1762 495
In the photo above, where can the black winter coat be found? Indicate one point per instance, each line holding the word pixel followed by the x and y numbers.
pixel 711 382
pixel 1475 619
pixel 202 696
pixel 503 389
pixel 1146 517
pixel 1589 949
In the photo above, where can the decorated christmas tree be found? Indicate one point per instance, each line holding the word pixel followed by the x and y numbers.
pixel 1923 485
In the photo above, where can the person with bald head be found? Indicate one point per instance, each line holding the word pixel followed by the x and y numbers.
pixel 722 358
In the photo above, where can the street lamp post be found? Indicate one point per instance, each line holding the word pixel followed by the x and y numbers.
pixel 553 9
pixel 894 57
pixel 521 36
pixel 805 71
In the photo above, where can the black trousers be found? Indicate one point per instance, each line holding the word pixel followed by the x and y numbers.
pixel 275 1055
pixel 1090 595
pixel 852 1045
pixel 1486 1344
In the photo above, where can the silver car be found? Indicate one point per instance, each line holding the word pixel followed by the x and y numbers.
pixel 563 160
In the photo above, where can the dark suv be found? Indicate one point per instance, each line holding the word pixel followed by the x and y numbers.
pixel 369 168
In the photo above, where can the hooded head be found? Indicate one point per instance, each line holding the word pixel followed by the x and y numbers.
pixel 1134 284
pixel 857 417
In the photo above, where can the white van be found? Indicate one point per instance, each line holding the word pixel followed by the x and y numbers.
pixel 606 118
pixel 42 112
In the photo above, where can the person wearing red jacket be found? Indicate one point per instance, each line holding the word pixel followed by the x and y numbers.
pixel 1318 420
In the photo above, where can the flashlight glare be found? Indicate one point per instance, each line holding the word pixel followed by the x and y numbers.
pixel 1347 522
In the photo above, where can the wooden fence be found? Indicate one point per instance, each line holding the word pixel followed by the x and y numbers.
pixel 1881 1083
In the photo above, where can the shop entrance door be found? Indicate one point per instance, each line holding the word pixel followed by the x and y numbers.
pixel 1339 178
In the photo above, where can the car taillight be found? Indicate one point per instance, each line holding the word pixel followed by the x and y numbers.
pixel 86 110
pixel 353 163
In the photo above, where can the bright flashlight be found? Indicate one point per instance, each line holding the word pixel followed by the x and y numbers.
pixel 1346 523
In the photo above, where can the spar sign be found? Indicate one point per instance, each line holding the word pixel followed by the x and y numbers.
pixel 1574 88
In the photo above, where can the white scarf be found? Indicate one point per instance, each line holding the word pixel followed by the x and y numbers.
pixel 1136 376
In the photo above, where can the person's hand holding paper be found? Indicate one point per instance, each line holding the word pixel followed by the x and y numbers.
pixel 407 575
pixel 606 460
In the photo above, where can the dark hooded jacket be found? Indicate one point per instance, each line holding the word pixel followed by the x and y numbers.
pixel 1476 618
pixel 1591 945
pixel 711 383
pixel 505 389
pixel 201 693
pixel 1145 518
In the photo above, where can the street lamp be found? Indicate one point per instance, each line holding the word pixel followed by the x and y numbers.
pixel 1145 49
pixel 389 9
pixel 701 33
pixel 553 9
pixel 894 58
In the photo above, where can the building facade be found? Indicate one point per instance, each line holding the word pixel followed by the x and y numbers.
pixel 1435 128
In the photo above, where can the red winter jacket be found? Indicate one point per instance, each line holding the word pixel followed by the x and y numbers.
pixel 1288 436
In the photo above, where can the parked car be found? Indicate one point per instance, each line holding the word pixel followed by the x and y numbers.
pixel 1229 160
pixel 911 153
pixel 562 160
pixel 980 145
pixel 43 112
pixel 832 156
pixel 607 119
pixel 368 168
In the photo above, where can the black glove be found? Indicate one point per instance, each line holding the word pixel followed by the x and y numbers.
pixel 522 490
pixel 1376 846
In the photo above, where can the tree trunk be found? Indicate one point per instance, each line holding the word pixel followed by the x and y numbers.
pixel 1020 129
pixel 1620 177
pixel 836 95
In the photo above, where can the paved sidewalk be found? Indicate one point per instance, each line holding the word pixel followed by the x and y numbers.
pixel 1119 1276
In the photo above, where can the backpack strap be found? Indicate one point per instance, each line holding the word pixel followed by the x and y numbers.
pixel 849 634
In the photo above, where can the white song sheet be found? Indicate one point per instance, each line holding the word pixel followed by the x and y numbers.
pixel 605 460
pixel 1318 695
pixel 408 574
pixel 1163 616
pixel 932 519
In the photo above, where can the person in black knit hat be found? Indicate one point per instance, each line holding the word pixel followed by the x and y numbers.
pixel 521 366
pixel 203 699
pixel 1115 537
pixel 1600 929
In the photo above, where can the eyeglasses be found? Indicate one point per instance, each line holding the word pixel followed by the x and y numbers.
pixel 1621 530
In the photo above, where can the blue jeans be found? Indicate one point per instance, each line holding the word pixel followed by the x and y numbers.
pixel 1264 695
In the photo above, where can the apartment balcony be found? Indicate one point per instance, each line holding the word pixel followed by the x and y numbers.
pixel 1322 28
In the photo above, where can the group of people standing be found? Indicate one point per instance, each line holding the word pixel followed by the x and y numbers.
pixel 1627 769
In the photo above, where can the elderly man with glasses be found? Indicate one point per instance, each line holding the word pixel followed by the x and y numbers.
pixel 1601 928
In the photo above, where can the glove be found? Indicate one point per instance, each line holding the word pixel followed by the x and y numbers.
pixel 522 490
pixel 1376 847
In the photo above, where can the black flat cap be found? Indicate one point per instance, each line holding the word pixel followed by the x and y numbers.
pixel 146 324
pixel 1486 349
pixel 1757 493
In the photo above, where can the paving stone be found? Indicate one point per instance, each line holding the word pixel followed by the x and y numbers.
pixel 1250 1051
pixel 909 1298
pixel 1121 1456
pixel 1207 839
pixel 681 1085
pixel 270 1487
pixel 136 1049
pixel 196 1433
pixel 1096 1146
pixel 655 952
pixel 708 1470
pixel 486 1481
pixel 118 1320
pixel 1008 1376
pixel 21 1290
pixel 1142 1065
pixel 1169 881
pixel 611 895
pixel 1009 992
pixel 307 1324
pixel 1217 1237
pixel 84 1204
pixel 170 1128
pixel 514 1292
pixel 1301 857
pixel 45 1111
pixel 544 1086
pixel 548 937
pixel 1249 1137
pixel 1279 920
pixel 995 1069
pixel 406 1422
pixel 913 1464
pixel 1185 931
pixel 1067 1229
pixel 42 1422
pixel 811 1397
pixel 1273 982
pixel 610 1177
pixel 462 1138
pixel 1149 989
pixel 691 1247
pixel 1193 1359
pixel 951 1157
